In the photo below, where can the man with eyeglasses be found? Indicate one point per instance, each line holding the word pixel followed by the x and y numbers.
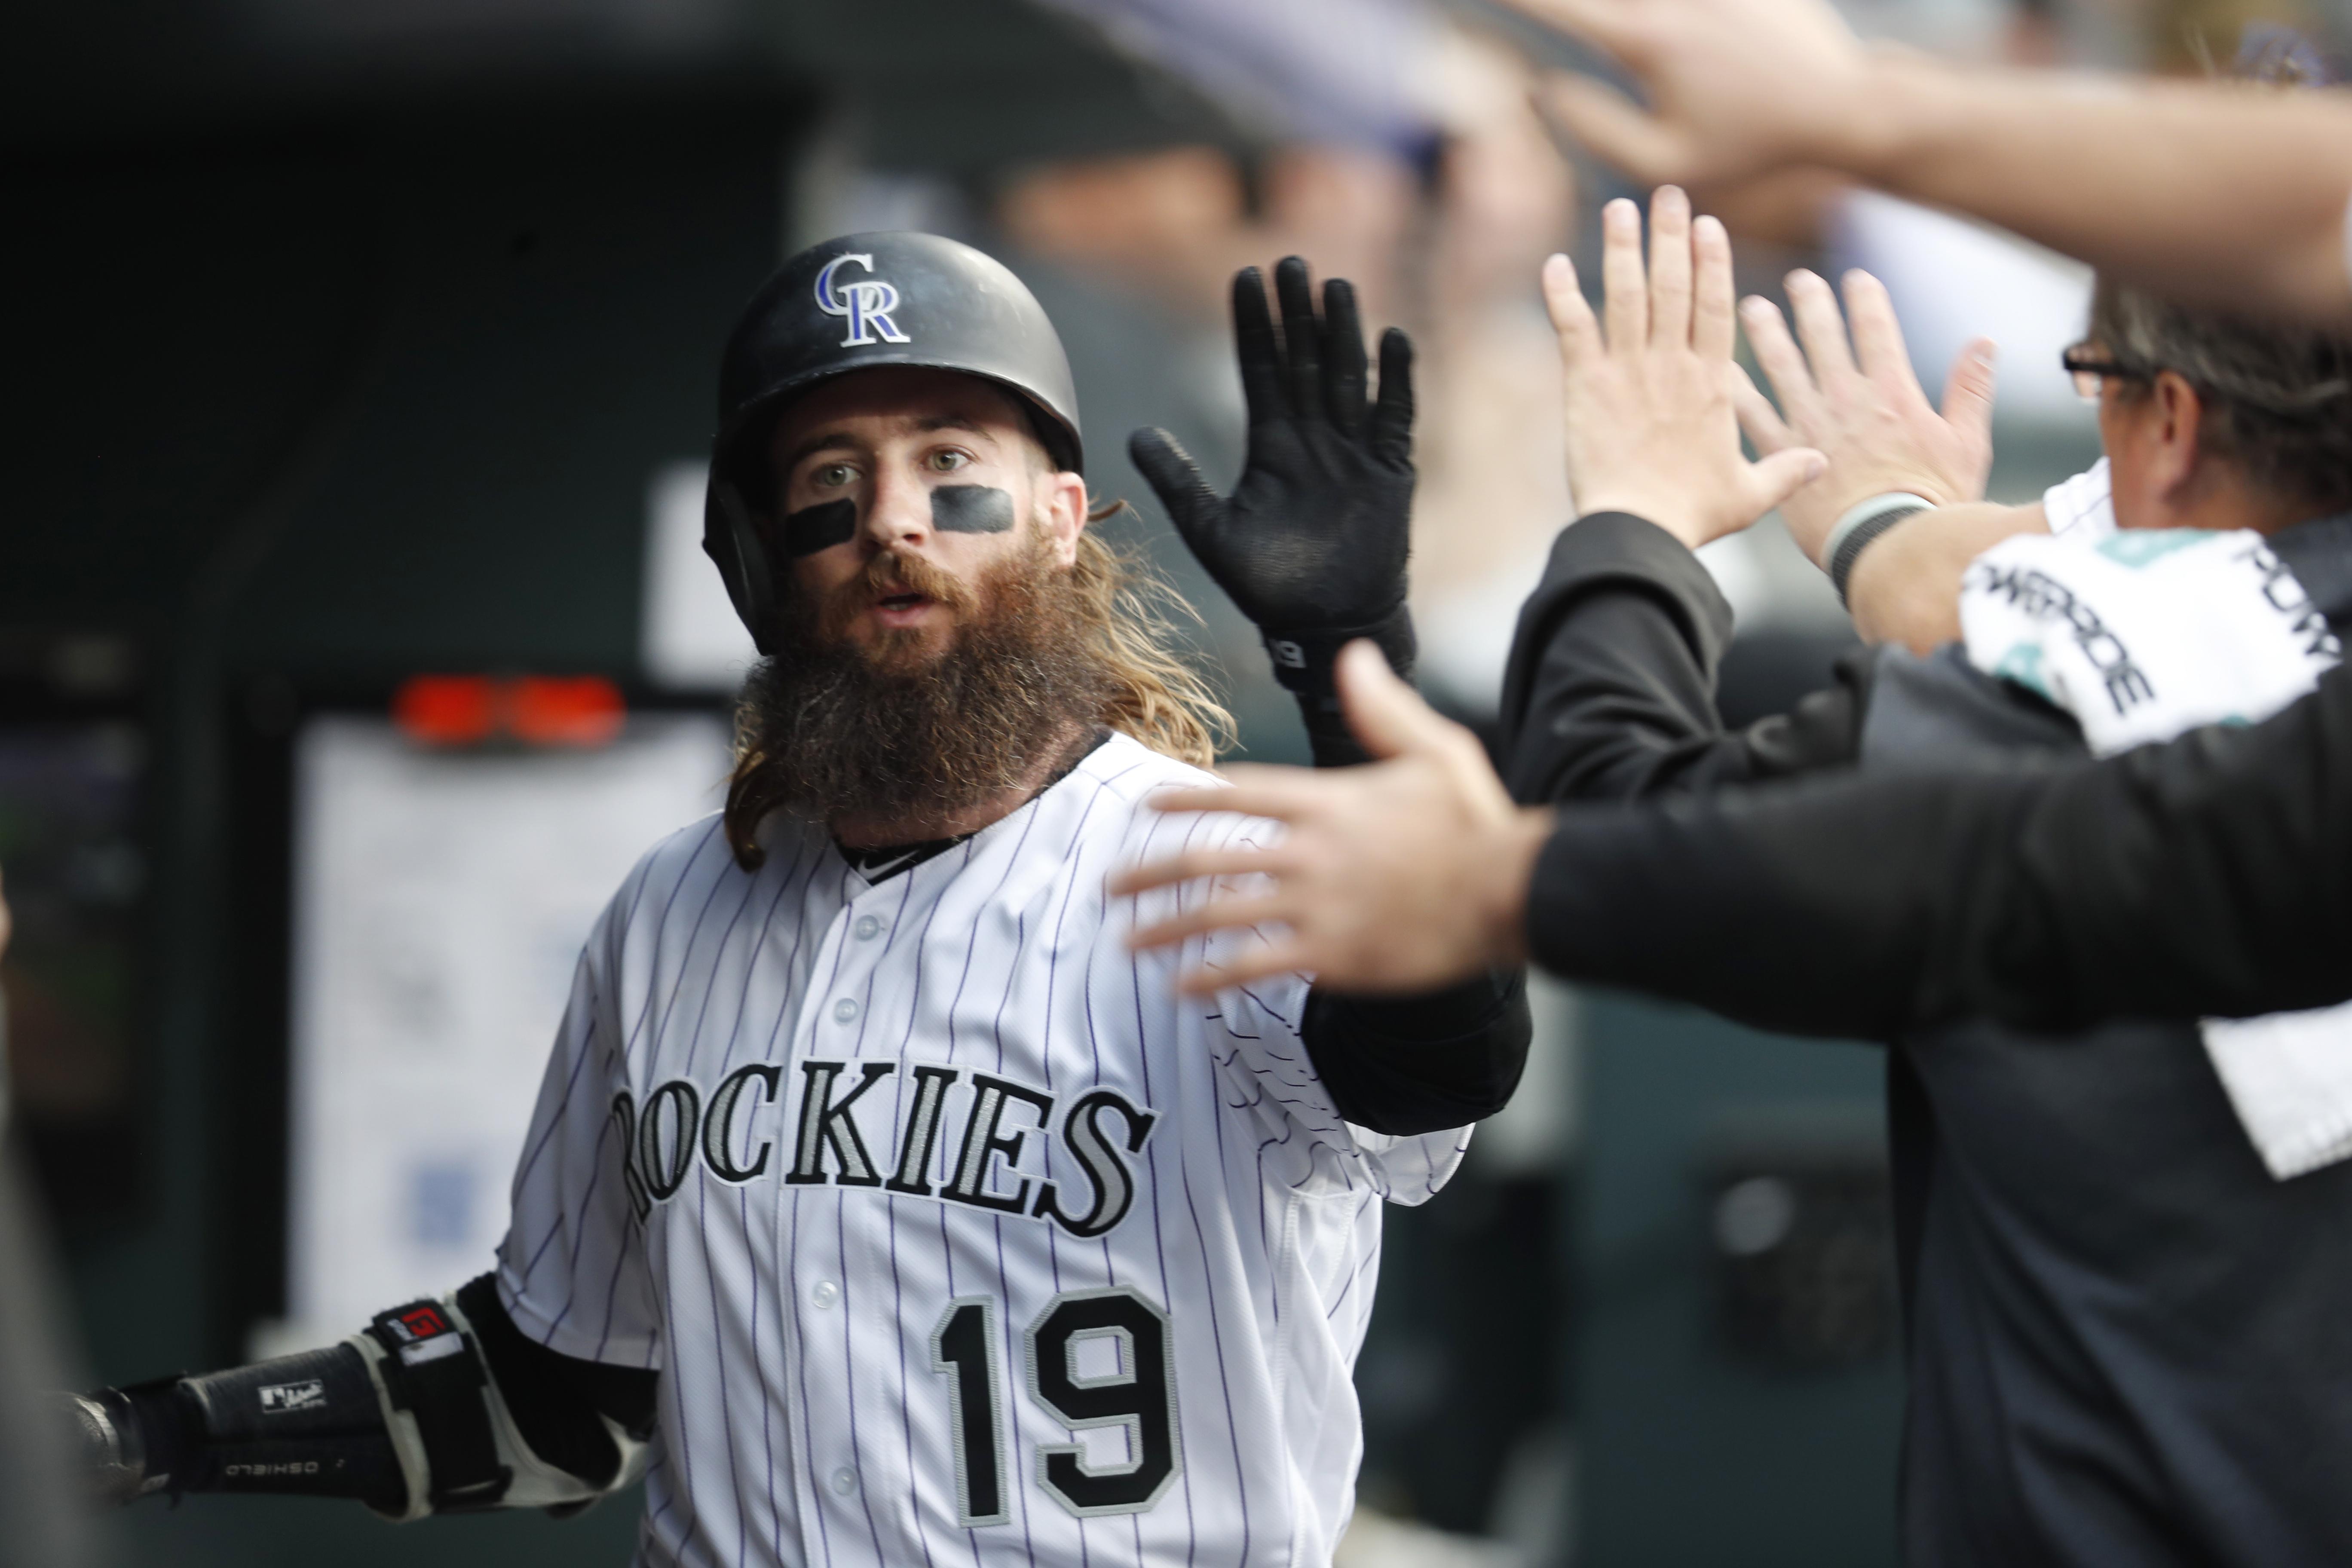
pixel 2123 1258
pixel 2209 411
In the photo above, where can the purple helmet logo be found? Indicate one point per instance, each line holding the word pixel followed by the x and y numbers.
pixel 866 305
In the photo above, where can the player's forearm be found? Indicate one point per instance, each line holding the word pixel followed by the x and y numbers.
pixel 437 1407
pixel 309 1425
pixel 1906 585
pixel 2210 192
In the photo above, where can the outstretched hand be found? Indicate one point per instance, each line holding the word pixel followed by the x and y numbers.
pixel 1403 875
pixel 1733 87
pixel 1860 404
pixel 1311 545
pixel 1651 425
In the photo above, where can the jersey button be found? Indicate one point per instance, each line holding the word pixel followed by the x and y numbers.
pixel 844 1011
pixel 845 1480
pixel 868 928
pixel 825 1293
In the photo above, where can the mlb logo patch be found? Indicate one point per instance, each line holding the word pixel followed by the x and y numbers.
pixel 285 1398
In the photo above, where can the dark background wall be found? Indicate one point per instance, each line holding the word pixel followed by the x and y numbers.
pixel 303 410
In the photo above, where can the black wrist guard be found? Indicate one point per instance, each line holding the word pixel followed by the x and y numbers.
pixel 1305 662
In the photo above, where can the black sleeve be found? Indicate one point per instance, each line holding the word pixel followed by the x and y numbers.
pixel 1408 1064
pixel 1610 690
pixel 2209 876
pixel 1330 738
pixel 555 1399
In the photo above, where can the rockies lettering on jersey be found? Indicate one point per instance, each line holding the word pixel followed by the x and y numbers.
pixel 657 1168
pixel 958 1236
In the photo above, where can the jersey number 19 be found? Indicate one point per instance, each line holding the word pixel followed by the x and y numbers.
pixel 1140 1395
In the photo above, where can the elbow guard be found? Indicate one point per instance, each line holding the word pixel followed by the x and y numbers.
pixel 458 1444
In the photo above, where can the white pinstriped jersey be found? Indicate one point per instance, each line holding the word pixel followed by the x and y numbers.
pixel 958 1236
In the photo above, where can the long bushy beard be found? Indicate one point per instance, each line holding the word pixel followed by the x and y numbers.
pixel 896 732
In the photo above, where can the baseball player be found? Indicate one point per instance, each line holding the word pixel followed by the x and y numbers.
pixel 879 1206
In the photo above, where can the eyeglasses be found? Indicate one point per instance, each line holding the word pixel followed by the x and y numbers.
pixel 2090 366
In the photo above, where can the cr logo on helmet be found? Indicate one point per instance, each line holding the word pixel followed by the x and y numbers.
pixel 867 305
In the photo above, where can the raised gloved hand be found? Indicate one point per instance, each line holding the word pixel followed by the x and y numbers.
pixel 1312 543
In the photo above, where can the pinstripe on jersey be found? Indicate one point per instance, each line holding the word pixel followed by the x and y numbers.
pixel 886 1176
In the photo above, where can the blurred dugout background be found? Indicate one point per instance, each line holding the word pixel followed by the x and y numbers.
pixel 355 342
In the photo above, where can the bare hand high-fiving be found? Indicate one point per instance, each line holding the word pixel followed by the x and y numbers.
pixel 1401 876
pixel 1652 428
pixel 1860 404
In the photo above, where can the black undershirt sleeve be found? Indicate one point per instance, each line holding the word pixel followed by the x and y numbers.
pixel 1408 1064
pixel 555 1399
pixel 2208 876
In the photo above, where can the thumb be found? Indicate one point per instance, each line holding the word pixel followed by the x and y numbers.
pixel 1387 715
pixel 1968 391
pixel 1759 419
pixel 1175 478
pixel 1776 478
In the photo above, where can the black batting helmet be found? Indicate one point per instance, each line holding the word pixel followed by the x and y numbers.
pixel 852 303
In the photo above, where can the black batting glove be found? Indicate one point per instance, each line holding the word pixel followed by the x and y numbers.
pixel 1312 543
